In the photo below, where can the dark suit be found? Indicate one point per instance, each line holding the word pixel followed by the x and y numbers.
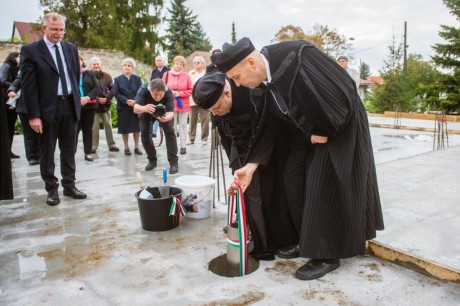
pixel 59 116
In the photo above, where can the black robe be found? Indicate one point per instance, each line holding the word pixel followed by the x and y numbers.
pixel 241 132
pixel 342 204
pixel 6 181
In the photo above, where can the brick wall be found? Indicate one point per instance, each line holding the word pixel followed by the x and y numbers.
pixel 111 60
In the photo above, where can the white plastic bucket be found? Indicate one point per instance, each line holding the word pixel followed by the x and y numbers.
pixel 197 195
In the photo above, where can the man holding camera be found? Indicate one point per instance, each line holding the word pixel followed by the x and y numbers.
pixel 154 101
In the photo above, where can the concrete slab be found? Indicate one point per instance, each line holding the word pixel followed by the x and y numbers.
pixel 94 252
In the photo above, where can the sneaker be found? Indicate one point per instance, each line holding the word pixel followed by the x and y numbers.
pixel 183 150
pixel 173 168
pixel 112 149
pixel 137 151
pixel 150 166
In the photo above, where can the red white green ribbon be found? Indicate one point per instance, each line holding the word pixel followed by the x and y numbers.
pixel 176 203
pixel 236 206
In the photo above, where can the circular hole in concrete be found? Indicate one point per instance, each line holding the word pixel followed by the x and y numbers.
pixel 222 267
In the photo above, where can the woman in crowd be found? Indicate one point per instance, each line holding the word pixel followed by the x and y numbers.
pixel 181 85
pixel 88 91
pixel 8 73
pixel 124 89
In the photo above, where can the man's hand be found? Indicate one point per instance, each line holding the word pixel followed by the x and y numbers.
pixel 11 94
pixel 84 100
pixel 243 177
pixel 149 108
pixel 131 102
pixel 318 139
pixel 36 125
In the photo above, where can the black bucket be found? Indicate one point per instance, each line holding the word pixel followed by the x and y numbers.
pixel 155 213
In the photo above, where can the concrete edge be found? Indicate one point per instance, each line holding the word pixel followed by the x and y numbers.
pixel 412 262
pixel 410 128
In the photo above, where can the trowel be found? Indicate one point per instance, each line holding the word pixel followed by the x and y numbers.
pixel 164 190
pixel 144 194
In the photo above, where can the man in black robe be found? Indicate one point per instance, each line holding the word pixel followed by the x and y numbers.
pixel 310 90
pixel 239 123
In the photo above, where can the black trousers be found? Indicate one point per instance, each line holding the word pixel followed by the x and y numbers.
pixel 31 139
pixel 12 116
pixel 64 129
pixel 298 147
pixel 86 125
pixel 170 136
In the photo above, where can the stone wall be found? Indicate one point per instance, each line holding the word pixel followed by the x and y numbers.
pixel 111 60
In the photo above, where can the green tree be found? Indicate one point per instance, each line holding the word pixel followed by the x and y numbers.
pixel 130 27
pixel 329 41
pixel 448 57
pixel 185 34
pixel 364 71
pixel 233 33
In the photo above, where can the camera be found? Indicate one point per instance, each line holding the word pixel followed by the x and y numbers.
pixel 160 110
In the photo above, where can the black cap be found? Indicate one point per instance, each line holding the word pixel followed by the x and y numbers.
pixel 232 54
pixel 208 89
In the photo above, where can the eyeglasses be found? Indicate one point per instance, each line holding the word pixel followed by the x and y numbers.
pixel 57 30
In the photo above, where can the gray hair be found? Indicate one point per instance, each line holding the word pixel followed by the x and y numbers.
pixel 95 59
pixel 200 59
pixel 130 61
pixel 52 17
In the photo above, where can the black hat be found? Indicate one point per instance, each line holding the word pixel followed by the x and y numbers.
pixel 208 89
pixel 232 54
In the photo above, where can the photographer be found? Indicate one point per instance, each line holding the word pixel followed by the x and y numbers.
pixel 154 101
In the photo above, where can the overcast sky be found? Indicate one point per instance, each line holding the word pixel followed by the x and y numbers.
pixel 371 23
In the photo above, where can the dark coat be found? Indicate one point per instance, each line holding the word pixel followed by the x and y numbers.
pixel 105 90
pixel 40 79
pixel 157 74
pixel 90 89
pixel 342 204
pixel 124 89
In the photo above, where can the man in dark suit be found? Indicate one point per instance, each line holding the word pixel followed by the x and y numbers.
pixel 50 71
pixel 158 72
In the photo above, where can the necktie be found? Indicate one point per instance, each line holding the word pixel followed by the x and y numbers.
pixel 61 71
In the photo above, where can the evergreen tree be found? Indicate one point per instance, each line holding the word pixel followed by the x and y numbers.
pixel 185 34
pixel 233 33
pixel 130 27
pixel 448 57
pixel 364 71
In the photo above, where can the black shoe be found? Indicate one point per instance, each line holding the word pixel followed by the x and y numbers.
pixel 183 150
pixel 150 166
pixel 33 161
pixel 93 151
pixel 137 151
pixel 53 198
pixel 127 151
pixel 14 155
pixel 154 135
pixel 114 149
pixel 289 251
pixel 173 169
pixel 89 157
pixel 317 268
pixel 74 193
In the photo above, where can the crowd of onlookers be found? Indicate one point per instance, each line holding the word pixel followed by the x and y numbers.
pixel 98 90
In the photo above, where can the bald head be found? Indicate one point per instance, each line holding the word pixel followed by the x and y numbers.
pixel 250 72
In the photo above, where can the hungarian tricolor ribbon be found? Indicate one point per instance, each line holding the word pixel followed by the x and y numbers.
pixel 236 208
pixel 176 203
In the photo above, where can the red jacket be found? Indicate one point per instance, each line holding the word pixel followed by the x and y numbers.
pixel 183 84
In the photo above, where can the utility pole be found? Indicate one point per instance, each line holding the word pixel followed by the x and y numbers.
pixel 405 48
